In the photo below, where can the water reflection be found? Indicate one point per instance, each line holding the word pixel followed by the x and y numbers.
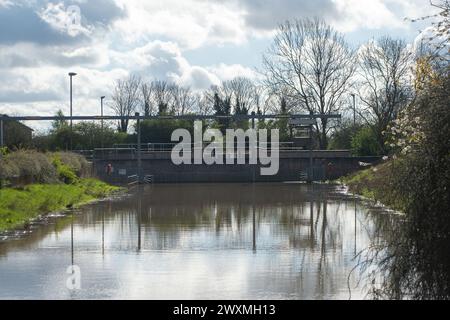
pixel 240 241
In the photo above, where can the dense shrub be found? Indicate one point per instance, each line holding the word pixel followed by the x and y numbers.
pixel 32 166
pixel 75 162
pixel 341 139
pixel 28 166
pixel 8 170
pixel 414 262
pixel 365 143
pixel 65 173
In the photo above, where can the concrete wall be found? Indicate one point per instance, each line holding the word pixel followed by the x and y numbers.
pixel 328 165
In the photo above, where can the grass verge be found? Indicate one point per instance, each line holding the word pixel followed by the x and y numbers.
pixel 376 183
pixel 19 206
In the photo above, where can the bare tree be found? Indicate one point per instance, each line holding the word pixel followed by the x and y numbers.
pixel 222 92
pixel 163 95
pixel 183 99
pixel 242 92
pixel 204 105
pixel 273 101
pixel 385 86
pixel 147 92
pixel 125 98
pixel 314 64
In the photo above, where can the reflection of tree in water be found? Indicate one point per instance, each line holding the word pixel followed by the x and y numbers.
pixel 409 259
pixel 315 228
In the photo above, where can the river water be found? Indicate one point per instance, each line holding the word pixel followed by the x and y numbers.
pixel 198 241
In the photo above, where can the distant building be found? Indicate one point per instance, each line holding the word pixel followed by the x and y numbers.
pixel 16 134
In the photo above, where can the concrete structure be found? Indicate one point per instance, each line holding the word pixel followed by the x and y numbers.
pixel 293 166
pixel 14 133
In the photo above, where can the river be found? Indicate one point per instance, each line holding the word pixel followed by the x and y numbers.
pixel 198 241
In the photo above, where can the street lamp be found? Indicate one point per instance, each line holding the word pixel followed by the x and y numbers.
pixel 71 74
pixel 101 114
pixel 354 109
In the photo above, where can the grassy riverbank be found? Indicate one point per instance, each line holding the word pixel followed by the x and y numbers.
pixel 39 183
pixel 18 206
pixel 376 183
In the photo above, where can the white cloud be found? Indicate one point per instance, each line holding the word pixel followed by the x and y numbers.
pixel 228 72
pixel 165 61
pixel 372 14
pixel 378 14
pixel 191 23
pixel 5 3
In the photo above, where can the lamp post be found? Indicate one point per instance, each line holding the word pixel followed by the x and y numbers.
pixel 101 121
pixel 1 133
pixel 139 161
pixel 354 109
pixel 71 74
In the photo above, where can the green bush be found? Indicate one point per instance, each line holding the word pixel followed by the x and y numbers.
pixel 3 151
pixel 65 173
pixel 341 139
pixel 75 162
pixel 364 143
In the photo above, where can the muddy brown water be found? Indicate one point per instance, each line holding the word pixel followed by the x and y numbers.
pixel 198 241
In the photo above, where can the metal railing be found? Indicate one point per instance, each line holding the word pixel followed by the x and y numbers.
pixel 162 147
pixel 149 178
pixel 88 154
pixel 132 180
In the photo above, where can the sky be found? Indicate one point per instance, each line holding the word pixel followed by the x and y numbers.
pixel 195 43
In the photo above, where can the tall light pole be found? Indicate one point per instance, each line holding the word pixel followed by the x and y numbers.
pixel 139 161
pixel 354 109
pixel 101 114
pixel 71 74
pixel 1 133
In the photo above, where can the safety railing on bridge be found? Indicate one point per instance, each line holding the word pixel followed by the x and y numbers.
pixel 161 147
pixel 88 154
pixel 104 153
